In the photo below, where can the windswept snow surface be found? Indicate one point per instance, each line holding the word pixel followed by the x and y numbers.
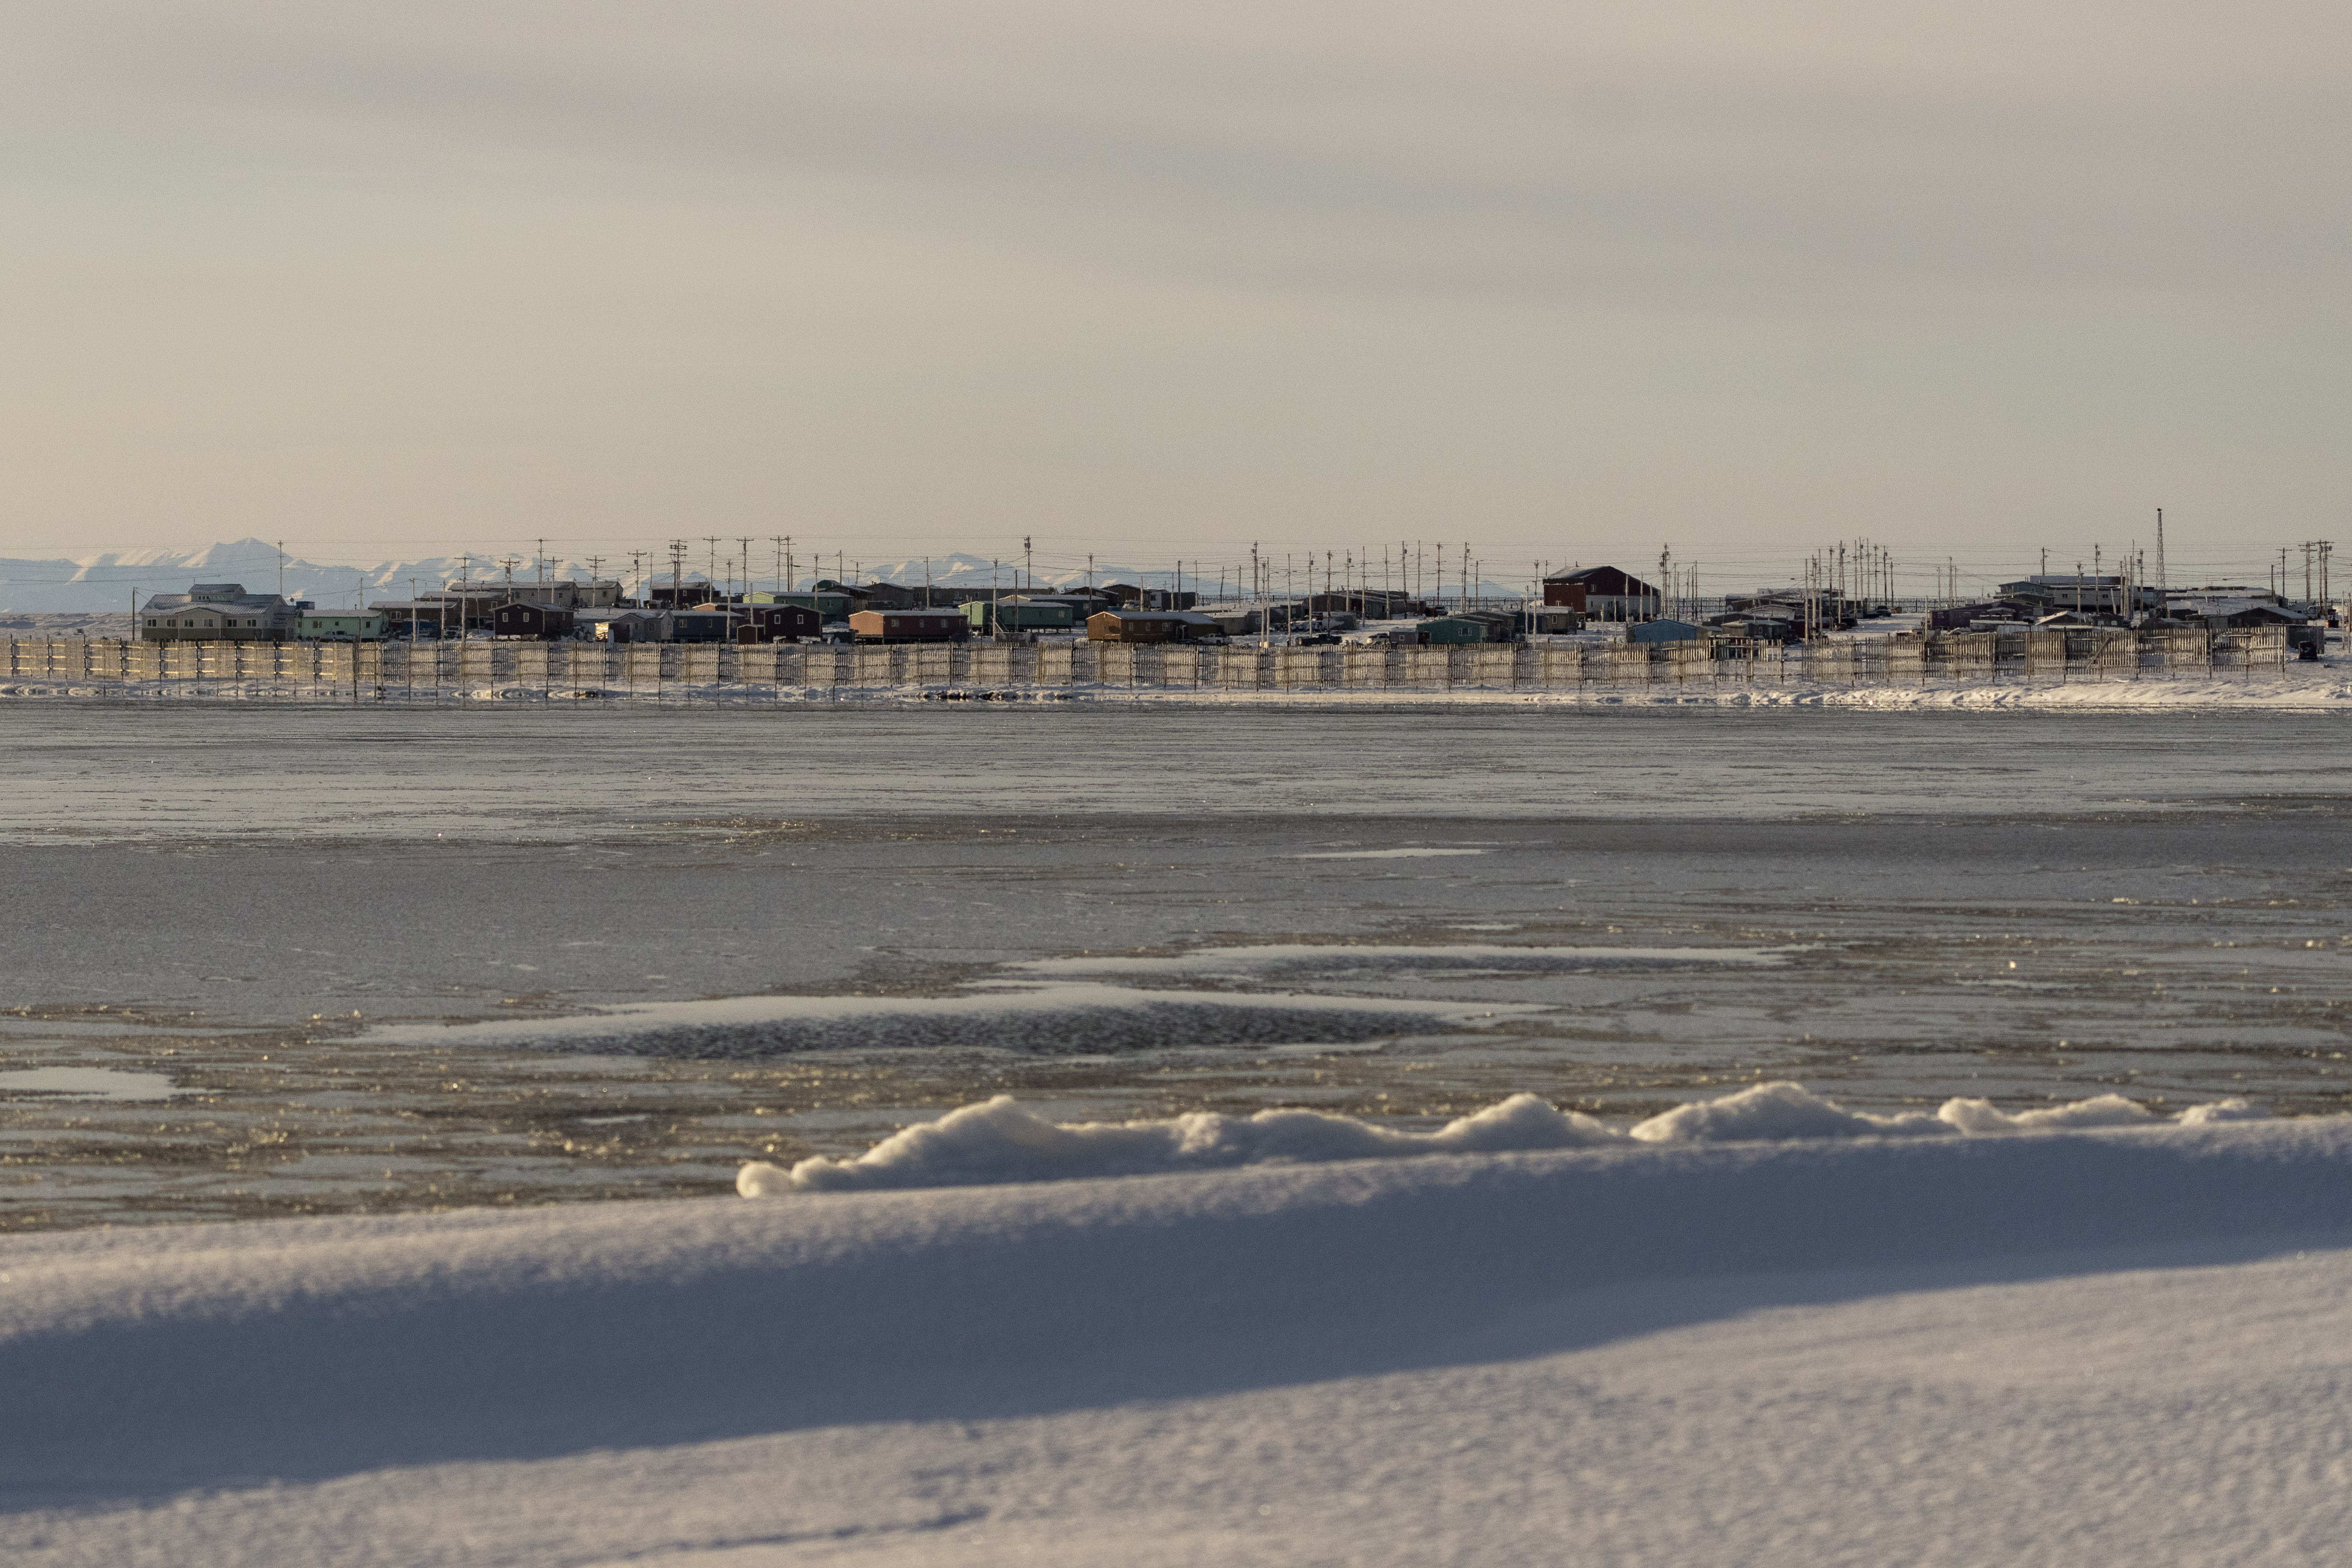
pixel 2104 1345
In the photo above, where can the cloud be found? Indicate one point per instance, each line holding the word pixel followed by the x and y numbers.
pixel 441 276
pixel 1713 149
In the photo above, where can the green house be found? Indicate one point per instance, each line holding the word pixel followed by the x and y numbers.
pixel 1020 614
pixel 1447 630
pixel 830 599
pixel 338 626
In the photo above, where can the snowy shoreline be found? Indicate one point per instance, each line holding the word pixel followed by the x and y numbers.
pixel 2325 690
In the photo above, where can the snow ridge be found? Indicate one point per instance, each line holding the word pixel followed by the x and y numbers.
pixel 997 1141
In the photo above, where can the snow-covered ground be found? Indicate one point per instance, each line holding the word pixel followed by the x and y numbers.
pixel 1762 1332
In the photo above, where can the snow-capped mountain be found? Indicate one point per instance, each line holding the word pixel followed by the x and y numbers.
pixel 109 581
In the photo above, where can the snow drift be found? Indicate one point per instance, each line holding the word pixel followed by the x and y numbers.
pixel 998 1141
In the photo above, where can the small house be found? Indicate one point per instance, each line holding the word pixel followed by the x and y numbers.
pixel 1019 615
pixel 630 626
pixel 1149 626
pixel 340 625
pixel 1455 631
pixel 908 625
pixel 544 621
pixel 1663 631
pixel 704 624
pixel 778 623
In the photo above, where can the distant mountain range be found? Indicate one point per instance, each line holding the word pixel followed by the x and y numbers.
pixel 108 581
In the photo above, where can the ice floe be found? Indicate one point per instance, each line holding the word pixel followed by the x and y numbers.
pixel 1327 956
pixel 1064 1019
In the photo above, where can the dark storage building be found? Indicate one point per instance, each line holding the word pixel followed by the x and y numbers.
pixel 778 623
pixel 541 621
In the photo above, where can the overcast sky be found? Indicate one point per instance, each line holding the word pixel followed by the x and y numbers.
pixel 1568 281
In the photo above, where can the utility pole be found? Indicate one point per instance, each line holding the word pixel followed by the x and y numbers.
pixel 1257 591
pixel 2162 582
pixel 540 561
pixel 713 541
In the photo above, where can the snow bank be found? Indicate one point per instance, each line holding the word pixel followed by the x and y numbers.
pixel 1775 1110
pixel 1000 1141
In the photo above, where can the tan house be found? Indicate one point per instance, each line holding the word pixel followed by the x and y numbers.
pixel 218 612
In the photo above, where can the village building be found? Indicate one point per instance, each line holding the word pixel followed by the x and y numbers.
pixel 1022 613
pixel 1603 593
pixel 340 625
pixel 778 623
pixel 218 613
pixel 1151 626
pixel 545 622
pixel 909 626
pixel 623 625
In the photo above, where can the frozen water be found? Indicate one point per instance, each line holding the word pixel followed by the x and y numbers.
pixel 808 928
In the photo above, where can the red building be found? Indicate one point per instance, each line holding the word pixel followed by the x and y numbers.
pixel 1602 593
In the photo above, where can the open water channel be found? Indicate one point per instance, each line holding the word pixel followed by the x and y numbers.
pixel 281 961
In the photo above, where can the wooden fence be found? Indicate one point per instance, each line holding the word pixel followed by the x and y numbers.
pixel 440 670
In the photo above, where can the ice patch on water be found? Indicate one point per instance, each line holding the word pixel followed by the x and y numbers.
pixel 88 1083
pixel 1403 854
pixel 998 1142
pixel 1054 1018
pixel 1304 955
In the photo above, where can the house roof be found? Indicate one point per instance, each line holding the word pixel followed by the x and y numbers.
pixel 1606 579
pixel 1189 617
